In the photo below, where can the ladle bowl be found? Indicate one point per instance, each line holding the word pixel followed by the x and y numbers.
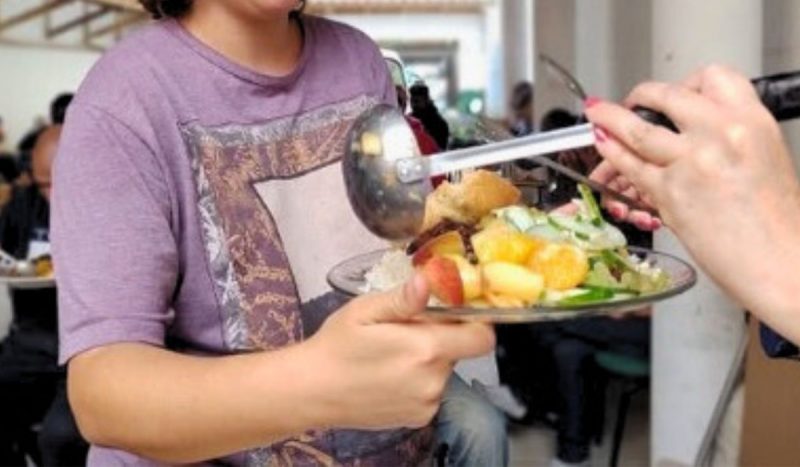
pixel 389 208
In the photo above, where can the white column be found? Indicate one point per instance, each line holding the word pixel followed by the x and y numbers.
pixel 509 33
pixel 517 41
pixel 554 36
pixel 495 79
pixel 695 336
pixel 594 58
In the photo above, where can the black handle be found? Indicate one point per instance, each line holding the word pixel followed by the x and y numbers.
pixel 780 94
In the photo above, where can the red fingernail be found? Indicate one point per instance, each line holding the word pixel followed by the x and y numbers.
pixel 590 101
pixel 600 135
pixel 616 211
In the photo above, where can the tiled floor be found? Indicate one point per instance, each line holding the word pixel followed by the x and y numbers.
pixel 535 446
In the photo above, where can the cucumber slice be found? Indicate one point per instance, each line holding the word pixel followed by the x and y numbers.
pixel 592 208
pixel 595 294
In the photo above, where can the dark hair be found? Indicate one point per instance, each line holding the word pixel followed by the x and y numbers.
pixel 166 8
pixel 419 89
pixel 521 95
pixel 558 118
pixel 177 8
pixel 58 108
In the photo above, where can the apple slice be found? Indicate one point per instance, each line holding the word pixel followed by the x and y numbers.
pixel 470 277
pixel 444 280
pixel 512 280
pixel 448 243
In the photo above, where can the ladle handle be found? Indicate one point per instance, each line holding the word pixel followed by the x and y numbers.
pixel 414 169
pixel 779 93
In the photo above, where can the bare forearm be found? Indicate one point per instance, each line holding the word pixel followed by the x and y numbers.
pixel 775 294
pixel 764 277
pixel 177 408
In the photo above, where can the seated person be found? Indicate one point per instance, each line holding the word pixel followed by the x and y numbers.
pixel 32 384
pixel 424 109
pixel 427 145
pixel 550 365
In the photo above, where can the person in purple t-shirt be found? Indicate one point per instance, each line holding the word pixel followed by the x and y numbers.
pixel 198 205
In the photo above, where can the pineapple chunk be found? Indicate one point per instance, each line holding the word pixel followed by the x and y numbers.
pixel 512 280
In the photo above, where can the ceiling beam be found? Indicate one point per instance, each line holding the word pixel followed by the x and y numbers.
pixel 130 5
pixel 87 17
pixel 48 45
pixel 395 6
pixel 32 13
pixel 125 20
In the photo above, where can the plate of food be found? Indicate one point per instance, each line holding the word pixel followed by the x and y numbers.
pixel 33 274
pixel 489 258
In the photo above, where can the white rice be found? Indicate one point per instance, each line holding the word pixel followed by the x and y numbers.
pixel 393 270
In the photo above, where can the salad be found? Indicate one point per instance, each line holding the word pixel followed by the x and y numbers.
pixel 517 256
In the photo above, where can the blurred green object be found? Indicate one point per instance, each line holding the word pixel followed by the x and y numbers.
pixel 623 365
pixel 471 101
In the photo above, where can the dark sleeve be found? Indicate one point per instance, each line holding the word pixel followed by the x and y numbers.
pixel 775 346
pixel 10 225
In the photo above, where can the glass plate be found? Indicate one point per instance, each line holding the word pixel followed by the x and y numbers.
pixel 24 282
pixel 348 277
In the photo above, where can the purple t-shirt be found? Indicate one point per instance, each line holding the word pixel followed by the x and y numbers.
pixel 198 206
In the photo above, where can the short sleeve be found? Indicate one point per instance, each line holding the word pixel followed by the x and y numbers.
pixel 114 252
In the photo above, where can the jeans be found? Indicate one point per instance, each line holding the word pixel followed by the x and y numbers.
pixel 473 430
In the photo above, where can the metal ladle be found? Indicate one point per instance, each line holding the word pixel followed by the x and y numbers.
pixel 387 178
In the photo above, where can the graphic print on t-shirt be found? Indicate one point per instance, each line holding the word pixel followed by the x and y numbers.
pixel 275 219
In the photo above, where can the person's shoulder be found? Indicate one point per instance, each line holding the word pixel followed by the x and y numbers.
pixel 124 67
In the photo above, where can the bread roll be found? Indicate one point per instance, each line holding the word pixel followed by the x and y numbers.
pixel 477 194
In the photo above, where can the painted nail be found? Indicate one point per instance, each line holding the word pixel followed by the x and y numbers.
pixel 600 135
pixel 590 101
pixel 616 211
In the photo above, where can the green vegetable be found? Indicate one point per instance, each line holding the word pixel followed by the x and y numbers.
pixel 594 294
pixel 520 217
pixel 612 269
pixel 591 205
pixel 616 261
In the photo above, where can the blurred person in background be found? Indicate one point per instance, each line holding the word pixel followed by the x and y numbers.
pixel 173 270
pixel 2 136
pixel 551 365
pixel 58 108
pixel 573 344
pixel 8 168
pixel 58 112
pixel 427 145
pixel 424 109
pixel 24 150
pixel 32 384
pixel 520 122
pixel 583 160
